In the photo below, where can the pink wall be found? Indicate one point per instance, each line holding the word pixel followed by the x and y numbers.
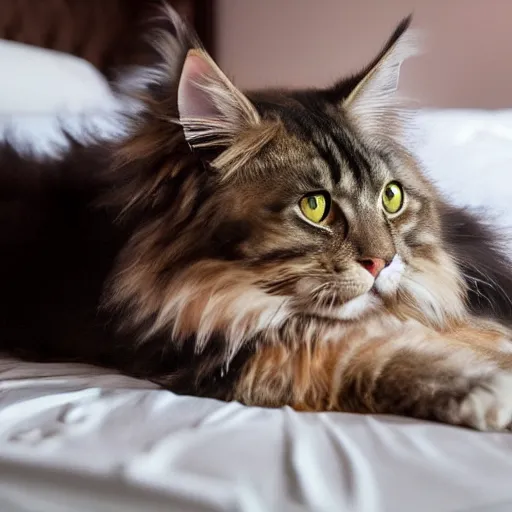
pixel 312 42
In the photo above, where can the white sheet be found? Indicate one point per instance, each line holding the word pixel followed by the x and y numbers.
pixel 83 439
pixel 114 446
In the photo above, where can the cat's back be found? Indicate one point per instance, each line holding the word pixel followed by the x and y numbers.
pixel 38 193
pixel 55 247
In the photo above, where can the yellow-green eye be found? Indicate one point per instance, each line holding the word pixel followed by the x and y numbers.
pixel 315 207
pixel 393 197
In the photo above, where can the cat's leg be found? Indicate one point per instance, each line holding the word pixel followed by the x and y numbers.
pixel 415 372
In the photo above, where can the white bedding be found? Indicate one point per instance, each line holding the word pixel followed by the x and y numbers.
pixel 83 439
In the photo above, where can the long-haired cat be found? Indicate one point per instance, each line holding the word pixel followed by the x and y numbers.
pixel 272 247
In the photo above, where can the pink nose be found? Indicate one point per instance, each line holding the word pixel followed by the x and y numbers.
pixel 373 265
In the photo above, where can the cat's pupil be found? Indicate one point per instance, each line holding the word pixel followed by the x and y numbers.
pixel 312 203
pixel 390 193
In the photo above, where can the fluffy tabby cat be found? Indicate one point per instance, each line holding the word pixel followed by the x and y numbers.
pixel 273 247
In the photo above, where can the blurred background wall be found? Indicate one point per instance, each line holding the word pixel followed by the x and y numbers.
pixel 312 42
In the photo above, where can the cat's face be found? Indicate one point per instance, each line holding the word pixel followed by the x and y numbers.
pixel 323 217
pixel 283 204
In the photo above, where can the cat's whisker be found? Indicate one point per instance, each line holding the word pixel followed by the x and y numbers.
pixel 494 284
pixel 478 292
pixel 489 282
pixel 331 305
pixel 319 288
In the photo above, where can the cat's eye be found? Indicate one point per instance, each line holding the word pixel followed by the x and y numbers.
pixel 315 207
pixel 393 197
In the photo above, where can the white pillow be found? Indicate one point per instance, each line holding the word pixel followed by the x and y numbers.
pixel 45 90
pixel 469 154
pixel 37 81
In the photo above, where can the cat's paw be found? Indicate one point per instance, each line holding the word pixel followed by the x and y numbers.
pixel 488 406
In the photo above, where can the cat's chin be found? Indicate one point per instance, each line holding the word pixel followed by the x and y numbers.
pixel 355 308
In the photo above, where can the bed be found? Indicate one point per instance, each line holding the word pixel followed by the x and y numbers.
pixel 79 438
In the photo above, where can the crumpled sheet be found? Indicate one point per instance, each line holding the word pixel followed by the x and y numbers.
pixel 84 439
pixel 74 438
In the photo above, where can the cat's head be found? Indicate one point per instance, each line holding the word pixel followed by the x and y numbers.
pixel 262 206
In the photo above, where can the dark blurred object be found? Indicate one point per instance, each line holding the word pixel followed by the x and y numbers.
pixel 107 33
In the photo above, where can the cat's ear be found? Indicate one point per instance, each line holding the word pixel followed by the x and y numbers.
pixel 373 104
pixel 212 111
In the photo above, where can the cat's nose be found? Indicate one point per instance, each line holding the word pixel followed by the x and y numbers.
pixel 373 265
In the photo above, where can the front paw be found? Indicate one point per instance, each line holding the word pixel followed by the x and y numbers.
pixel 488 405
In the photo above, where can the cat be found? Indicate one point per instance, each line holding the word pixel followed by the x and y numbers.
pixel 274 247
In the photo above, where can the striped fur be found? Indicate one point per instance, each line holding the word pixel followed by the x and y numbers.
pixel 180 254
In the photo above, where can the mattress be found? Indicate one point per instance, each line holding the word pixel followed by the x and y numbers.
pixel 78 438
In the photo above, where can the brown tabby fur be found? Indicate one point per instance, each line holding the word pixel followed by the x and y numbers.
pixel 179 254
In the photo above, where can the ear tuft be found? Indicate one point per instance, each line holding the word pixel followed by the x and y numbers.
pixel 212 111
pixel 374 105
